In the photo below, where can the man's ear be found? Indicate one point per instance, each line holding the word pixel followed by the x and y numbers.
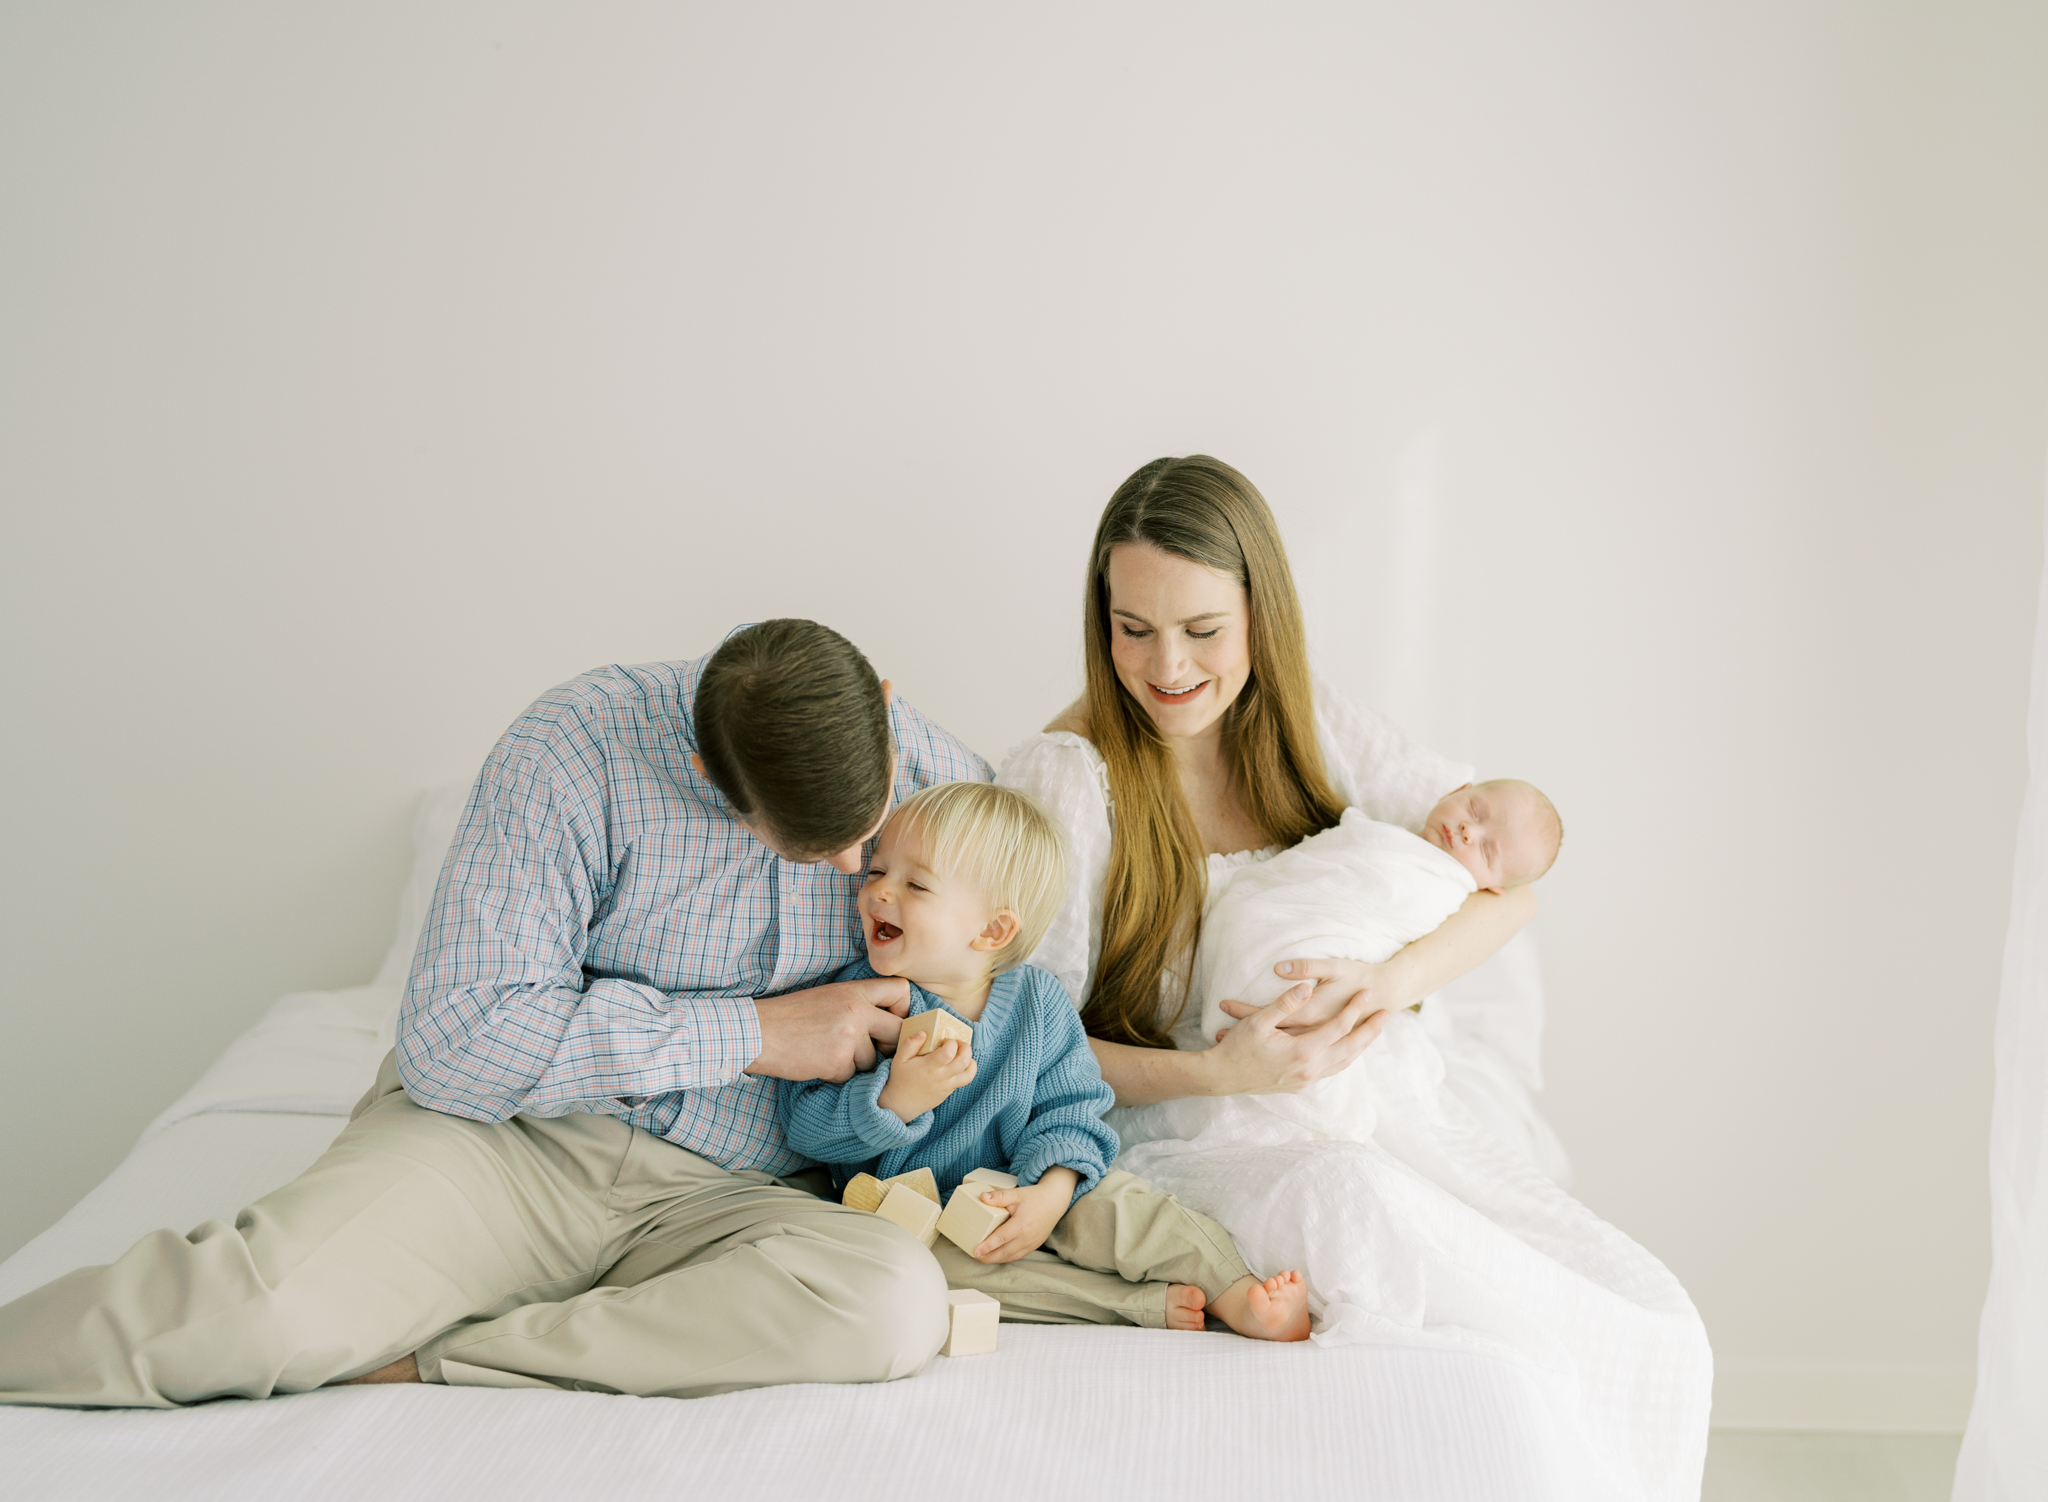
pixel 1001 929
pixel 888 691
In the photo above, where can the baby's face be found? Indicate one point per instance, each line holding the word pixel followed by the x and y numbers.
pixel 921 923
pixel 1492 830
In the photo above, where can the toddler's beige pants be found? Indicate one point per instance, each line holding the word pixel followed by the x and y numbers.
pixel 1108 1262
pixel 571 1252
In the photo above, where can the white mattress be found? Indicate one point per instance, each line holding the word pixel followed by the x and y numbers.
pixel 1055 1412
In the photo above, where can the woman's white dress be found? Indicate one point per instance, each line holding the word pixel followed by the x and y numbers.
pixel 1449 1227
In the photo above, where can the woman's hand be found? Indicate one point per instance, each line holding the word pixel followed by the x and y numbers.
pixel 1264 1054
pixel 1342 988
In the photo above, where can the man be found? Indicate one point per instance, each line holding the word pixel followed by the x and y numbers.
pixel 569 1172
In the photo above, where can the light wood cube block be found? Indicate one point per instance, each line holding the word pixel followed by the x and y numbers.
pixel 972 1323
pixel 863 1192
pixel 927 1030
pixel 921 1180
pixel 995 1178
pixel 912 1211
pixel 967 1220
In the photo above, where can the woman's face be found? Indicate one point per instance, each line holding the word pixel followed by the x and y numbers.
pixel 1180 636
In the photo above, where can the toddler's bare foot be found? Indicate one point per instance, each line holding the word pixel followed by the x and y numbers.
pixel 1184 1305
pixel 404 1369
pixel 1276 1309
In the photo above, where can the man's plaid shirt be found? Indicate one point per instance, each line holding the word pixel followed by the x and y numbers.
pixel 602 924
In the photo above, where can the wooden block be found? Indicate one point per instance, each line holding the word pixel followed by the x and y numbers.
pixel 912 1211
pixel 995 1178
pixel 919 1179
pixel 863 1191
pixel 967 1220
pixel 972 1321
pixel 933 1028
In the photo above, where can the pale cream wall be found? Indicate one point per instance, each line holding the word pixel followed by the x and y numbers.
pixel 1655 404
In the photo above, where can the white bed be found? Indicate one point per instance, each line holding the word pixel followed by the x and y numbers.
pixel 1055 1412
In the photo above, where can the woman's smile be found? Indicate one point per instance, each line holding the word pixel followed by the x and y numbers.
pixel 1173 617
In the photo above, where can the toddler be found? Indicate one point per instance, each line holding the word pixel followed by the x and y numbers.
pixel 964 881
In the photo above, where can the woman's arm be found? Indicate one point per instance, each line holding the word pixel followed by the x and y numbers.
pixel 1472 935
pixel 1146 1076
pixel 1264 1054
pixel 1351 991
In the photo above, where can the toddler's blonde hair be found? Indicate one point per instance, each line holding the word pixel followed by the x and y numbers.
pixel 1003 842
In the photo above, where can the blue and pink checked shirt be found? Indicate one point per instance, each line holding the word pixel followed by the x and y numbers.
pixel 602 924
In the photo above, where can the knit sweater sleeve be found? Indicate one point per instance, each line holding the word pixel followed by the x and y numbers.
pixel 1065 1127
pixel 845 1124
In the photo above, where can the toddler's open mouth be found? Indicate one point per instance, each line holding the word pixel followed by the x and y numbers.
pixel 884 932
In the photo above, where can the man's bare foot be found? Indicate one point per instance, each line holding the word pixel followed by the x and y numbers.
pixel 404 1369
pixel 1184 1305
pixel 1276 1309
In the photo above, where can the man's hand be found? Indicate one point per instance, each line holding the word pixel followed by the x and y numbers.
pixel 917 1084
pixel 829 1032
pixel 1034 1211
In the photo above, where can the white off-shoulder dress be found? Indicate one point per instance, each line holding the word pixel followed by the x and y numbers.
pixel 1450 1226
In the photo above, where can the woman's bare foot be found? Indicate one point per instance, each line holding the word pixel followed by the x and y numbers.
pixel 404 1369
pixel 1184 1306
pixel 1276 1309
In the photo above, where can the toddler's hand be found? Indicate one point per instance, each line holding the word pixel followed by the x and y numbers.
pixel 916 1085
pixel 1034 1210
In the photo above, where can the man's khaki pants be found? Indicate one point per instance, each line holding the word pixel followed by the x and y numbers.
pixel 1109 1261
pixel 573 1252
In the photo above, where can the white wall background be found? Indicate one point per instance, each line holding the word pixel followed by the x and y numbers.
pixel 1654 399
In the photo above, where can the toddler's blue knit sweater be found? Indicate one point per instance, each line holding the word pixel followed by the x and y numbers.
pixel 1036 1099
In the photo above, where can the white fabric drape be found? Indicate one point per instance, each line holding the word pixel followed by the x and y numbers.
pixel 2005 1452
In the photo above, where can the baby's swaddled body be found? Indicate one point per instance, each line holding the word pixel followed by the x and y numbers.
pixel 1360 891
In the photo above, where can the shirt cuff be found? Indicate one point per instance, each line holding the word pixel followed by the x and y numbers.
pixel 721 1036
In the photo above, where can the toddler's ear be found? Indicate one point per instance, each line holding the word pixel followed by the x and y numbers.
pixel 1001 929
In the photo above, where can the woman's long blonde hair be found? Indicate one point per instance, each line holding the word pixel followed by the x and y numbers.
pixel 1200 509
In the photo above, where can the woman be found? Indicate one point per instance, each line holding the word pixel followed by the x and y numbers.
pixel 1200 747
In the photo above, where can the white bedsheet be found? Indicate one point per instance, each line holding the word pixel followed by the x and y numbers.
pixel 1055 1412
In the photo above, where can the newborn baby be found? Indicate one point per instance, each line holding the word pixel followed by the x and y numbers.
pixel 1362 891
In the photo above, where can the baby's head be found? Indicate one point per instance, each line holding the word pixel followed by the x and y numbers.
pixel 963 883
pixel 1505 833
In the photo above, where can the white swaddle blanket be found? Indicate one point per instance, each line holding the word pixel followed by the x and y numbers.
pixel 1412 1223
pixel 1359 891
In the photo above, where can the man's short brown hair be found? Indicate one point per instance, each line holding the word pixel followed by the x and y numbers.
pixel 793 727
